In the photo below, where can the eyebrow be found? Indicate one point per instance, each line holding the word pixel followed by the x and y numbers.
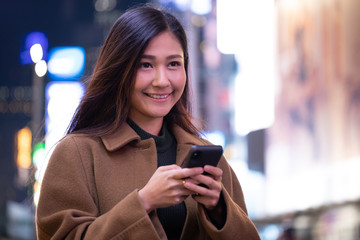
pixel 168 57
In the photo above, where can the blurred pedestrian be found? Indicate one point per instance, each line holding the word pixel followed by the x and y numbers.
pixel 116 174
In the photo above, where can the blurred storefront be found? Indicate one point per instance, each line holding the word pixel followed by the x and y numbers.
pixel 308 156
pixel 281 83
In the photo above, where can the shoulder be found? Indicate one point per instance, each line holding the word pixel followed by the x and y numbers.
pixel 82 139
pixel 76 146
pixel 74 153
pixel 72 141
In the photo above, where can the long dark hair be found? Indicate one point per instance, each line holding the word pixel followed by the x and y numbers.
pixel 105 104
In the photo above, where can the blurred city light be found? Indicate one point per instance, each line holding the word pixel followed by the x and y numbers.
pixel 36 52
pixel 326 183
pixel 216 137
pixel 228 13
pixel 254 89
pixel 270 232
pixel 66 63
pixel 201 7
pixel 105 5
pixel 36 191
pixel 34 39
pixel 253 101
pixel 253 184
pixel 38 157
pixel 41 68
pixel 182 5
pixel 62 101
pixel 23 159
pixel 62 97
pixel 20 221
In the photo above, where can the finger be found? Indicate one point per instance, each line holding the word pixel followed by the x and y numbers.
pixel 208 181
pixel 169 167
pixel 196 187
pixel 188 172
pixel 178 199
pixel 193 181
pixel 208 202
pixel 214 171
pixel 185 182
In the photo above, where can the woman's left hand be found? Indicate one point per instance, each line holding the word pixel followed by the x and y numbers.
pixel 208 196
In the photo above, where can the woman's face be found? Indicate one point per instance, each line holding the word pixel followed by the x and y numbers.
pixel 160 79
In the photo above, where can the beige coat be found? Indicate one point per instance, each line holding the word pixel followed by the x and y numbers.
pixel 90 191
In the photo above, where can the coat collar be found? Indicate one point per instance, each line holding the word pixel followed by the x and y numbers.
pixel 125 135
pixel 183 137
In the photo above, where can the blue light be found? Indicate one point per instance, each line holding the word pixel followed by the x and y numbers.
pixel 66 63
pixel 29 40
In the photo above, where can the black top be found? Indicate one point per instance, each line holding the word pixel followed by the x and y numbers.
pixel 172 218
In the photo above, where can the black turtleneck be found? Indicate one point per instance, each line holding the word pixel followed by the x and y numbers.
pixel 172 218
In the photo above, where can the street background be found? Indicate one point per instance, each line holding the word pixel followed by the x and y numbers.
pixel 278 83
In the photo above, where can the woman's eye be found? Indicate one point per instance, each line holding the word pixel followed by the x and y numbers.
pixel 174 64
pixel 145 65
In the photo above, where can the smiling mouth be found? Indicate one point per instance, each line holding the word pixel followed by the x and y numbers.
pixel 158 96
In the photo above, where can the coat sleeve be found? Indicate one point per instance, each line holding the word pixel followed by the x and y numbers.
pixel 68 208
pixel 237 225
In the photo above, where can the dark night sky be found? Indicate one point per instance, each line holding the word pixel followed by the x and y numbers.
pixel 56 18
pixel 66 23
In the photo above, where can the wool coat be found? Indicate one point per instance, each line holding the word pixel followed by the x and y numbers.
pixel 90 191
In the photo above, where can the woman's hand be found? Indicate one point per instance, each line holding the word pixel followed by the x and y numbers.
pixel 208 196
pixel 166 187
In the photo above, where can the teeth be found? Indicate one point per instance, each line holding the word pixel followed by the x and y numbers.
pixel 158 96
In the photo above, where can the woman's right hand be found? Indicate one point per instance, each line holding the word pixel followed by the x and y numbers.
pixel 166 188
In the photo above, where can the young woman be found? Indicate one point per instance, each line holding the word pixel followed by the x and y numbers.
pixel 116 174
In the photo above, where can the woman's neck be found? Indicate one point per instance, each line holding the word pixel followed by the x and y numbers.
pixel 152 126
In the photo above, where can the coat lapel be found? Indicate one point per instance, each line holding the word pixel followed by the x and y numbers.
pixel 124 135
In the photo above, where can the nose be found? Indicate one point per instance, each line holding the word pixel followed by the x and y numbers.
pixel 161 78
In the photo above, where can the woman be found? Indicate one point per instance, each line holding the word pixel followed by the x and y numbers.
pixel 116 174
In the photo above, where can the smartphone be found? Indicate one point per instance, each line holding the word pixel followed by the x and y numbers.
pixel 201 155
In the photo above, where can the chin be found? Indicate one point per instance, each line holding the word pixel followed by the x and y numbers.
pixel 160 114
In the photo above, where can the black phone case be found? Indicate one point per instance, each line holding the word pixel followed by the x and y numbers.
pixel 201 155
